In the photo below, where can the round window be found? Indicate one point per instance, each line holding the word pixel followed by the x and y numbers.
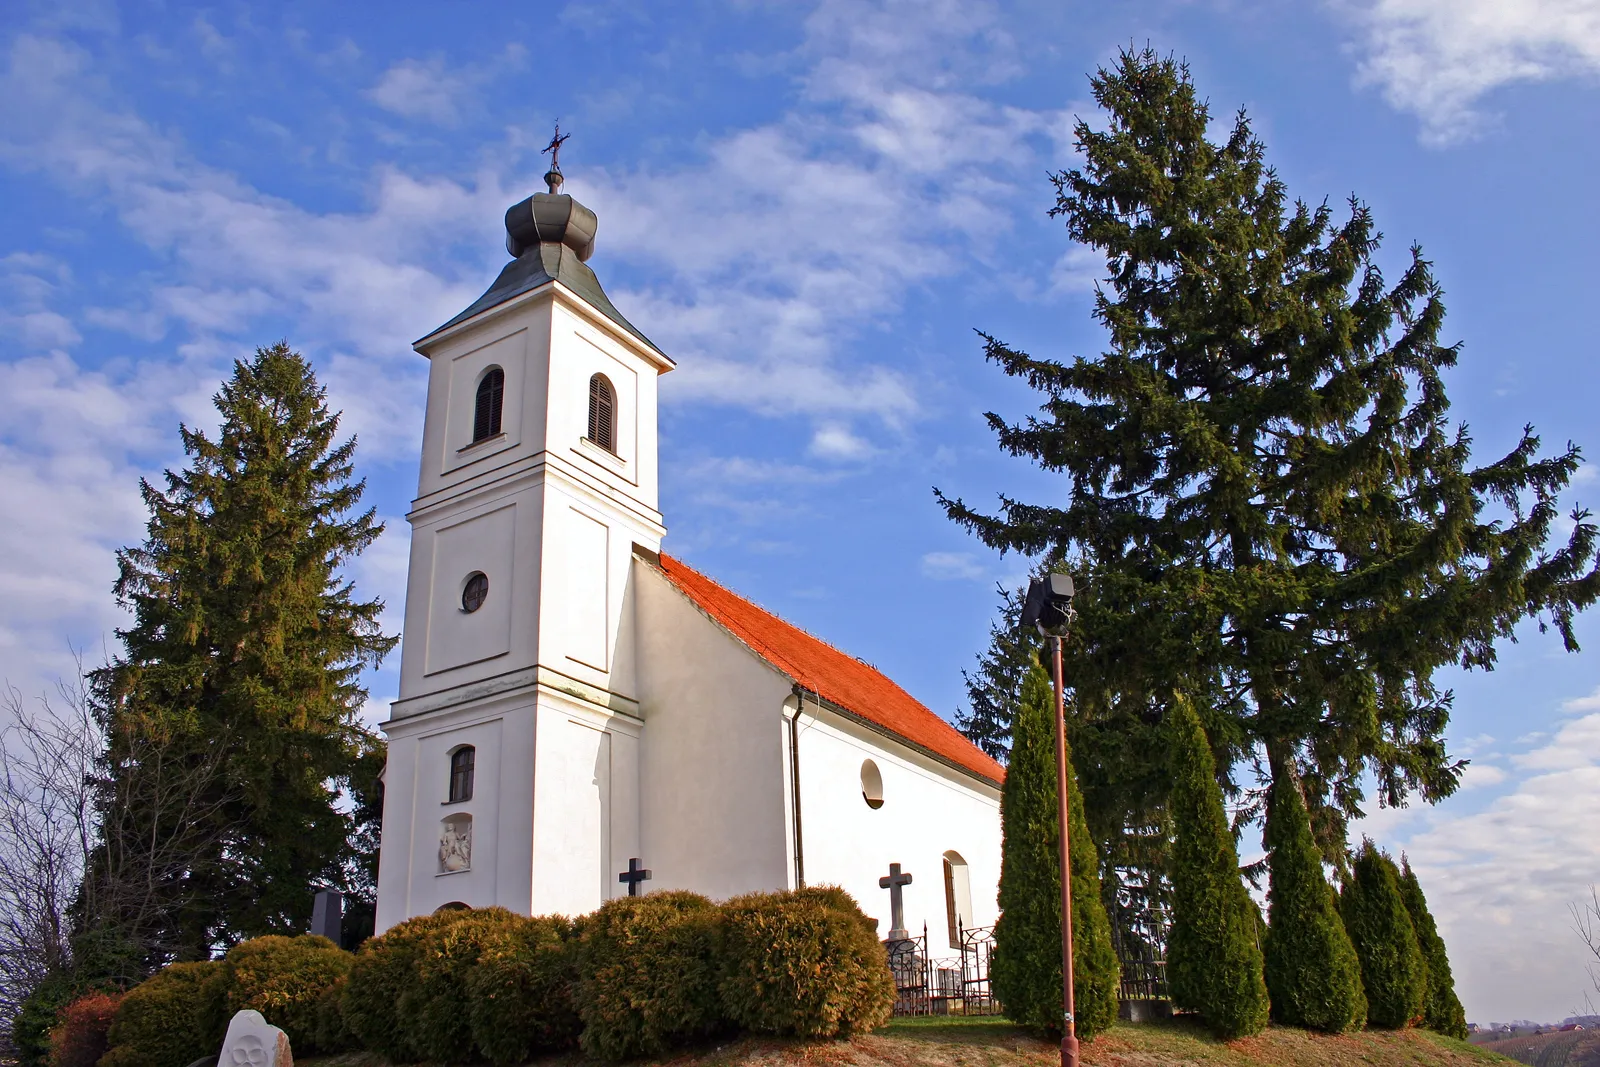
pixel 475 592
pixel 871 785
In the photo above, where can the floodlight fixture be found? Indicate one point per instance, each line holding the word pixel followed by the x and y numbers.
pixel 1048 605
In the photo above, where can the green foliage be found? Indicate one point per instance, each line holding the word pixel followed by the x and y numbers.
pixel 285 979
pixel 436 1007
pixel 381 979
pixel 333 1035
pixel 82 1031
pixel 1263 498
pixel 647 974
pixel 1313 975
pixel 1026 972
pixel 803 964
pixel 1393 970
pixel 1214 963
pixel 36 1016
pixel 1443 1013
pixel 244 657
pixel 171 1019
pixel 520 992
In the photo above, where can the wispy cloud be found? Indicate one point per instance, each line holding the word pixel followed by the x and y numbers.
pixel 952 566
pixel 1439 58
pixel 436 91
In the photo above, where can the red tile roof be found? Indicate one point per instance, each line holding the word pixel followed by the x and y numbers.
pixel 837 678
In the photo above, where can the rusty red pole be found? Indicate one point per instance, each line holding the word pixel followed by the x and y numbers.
pixel 1069 1029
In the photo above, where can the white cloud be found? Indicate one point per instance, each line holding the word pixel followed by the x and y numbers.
pixel 1499 878
pixel 422 89
pixel 835 441
pixel 952 566
pixel 1588 703
pixel 1439 58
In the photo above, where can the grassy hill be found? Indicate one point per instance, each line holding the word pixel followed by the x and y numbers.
pixel 956 1042
pixel 1580 1048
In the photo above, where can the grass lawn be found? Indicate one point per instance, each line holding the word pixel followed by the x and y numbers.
pixel 953 1041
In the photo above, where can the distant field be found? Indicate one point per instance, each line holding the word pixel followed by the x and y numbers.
pixel 1580 1048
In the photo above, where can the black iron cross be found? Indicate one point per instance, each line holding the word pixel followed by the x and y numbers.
pixel 554 147
pixel 633 876
pixel 893 882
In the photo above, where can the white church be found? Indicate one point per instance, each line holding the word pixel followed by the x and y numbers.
pixel 575 704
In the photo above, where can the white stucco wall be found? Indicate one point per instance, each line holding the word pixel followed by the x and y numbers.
pixel 928 810
pixel 714 776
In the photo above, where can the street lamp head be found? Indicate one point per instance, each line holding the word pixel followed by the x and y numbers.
pixel 1048 605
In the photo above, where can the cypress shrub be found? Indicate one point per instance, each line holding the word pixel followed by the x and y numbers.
pixel 1442 1013
pixel 1214 962
pixel 521 991
pixel 647 974
pixel 170 1019
pixel 436 1010
pixel 1026 972
pixel 284 978
pixel 1392 968
pixel 333 1035
pixel 378 992
pixel 802 964
pixel 81 1034
pixel 1313 975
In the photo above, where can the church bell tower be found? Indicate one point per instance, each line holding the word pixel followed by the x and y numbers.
pixel 514 745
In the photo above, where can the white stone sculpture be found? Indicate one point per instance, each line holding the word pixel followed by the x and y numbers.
pixel 254 1042
pixel 455 844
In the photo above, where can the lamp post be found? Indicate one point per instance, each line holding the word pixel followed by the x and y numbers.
pixel 1048 607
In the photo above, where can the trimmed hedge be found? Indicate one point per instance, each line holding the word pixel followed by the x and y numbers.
pixel 436 1009
pixel 171 1019
pixel 647 974
pixel 1214 961
pixel 1443 1013
pixel 333 1034
pixel 1313 975
pixel 1393 970
pixel 81 1034
pixel 803 964
pixel 376 995
pixel 285 978
pixel 1026 974
pixel 521 991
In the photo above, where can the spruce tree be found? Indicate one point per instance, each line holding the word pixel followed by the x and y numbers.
pixel 1264 499
pixel 1214 962
pixel 1026 973
pixel 1313 975
pixel 1443 1013
pixel 1393 970
pixel 244 656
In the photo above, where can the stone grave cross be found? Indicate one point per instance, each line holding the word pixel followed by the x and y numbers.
pixel 893 882
pixel 633 876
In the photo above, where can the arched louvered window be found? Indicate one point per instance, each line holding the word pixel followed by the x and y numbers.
pixel 462 764
pixel 602 413
pixel 486 413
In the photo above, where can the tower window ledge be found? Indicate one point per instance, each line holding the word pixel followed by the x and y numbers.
pixel 605 456
pixel 447 874
pixel 481 442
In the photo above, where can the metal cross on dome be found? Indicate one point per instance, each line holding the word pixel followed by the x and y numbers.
pixel 633 876
pixel 894 881
pixel 552 177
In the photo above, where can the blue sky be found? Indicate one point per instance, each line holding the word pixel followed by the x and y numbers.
pixel 811 207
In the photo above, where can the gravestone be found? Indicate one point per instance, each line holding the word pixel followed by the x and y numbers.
pixel 327 915
pixel 634 875
pixel 894 882
pixel 254 1042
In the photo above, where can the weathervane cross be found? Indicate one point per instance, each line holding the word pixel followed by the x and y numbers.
pixel 552 177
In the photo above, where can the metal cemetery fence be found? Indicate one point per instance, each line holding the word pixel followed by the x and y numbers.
pixel 950 985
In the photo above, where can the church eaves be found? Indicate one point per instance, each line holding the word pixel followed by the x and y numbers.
pixel 839 679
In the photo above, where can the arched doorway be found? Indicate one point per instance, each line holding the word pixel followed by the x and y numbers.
pixel 957 897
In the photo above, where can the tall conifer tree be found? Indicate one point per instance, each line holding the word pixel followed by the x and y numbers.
pixel 1443 1013
pixel 1266 502
pixel 244 655
pixel 1394 972
pixel 1027 960
pixel 1213 949
pixel 1313 974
